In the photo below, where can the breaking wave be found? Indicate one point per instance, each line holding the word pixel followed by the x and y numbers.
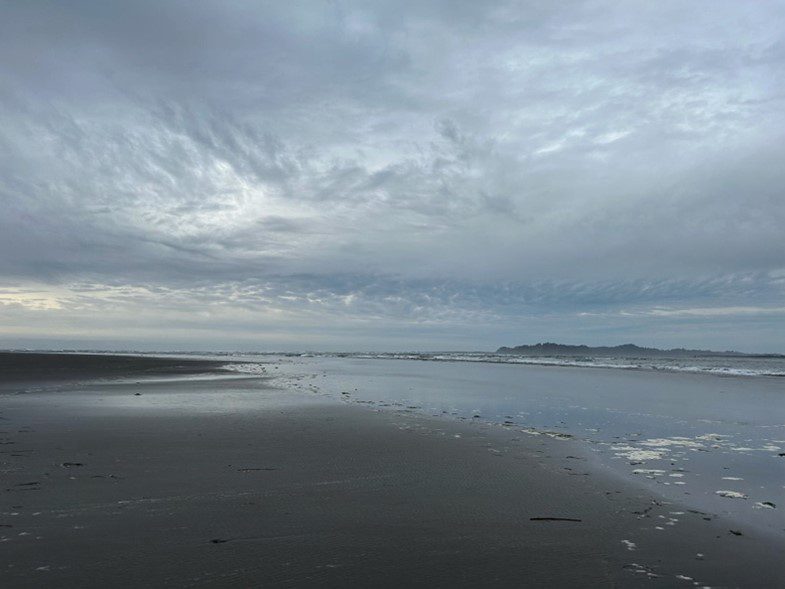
pixel 724 366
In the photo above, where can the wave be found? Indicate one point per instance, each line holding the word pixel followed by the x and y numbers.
pixel 739 366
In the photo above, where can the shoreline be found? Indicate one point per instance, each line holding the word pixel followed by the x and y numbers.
pixel 499 359
pixel 229 482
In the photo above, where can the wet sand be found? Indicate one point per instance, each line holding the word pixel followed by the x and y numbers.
pixel 35 368
pixel 235 483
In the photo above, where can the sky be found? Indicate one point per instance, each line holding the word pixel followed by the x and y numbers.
pixel 391 175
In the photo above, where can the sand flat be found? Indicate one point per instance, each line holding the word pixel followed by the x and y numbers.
pixel 247 485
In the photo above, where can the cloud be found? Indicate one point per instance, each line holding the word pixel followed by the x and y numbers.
pixel 422 164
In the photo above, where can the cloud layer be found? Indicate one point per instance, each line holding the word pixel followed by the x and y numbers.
pixel 406 175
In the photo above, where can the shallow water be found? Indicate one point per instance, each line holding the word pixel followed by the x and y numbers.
pixel 712 443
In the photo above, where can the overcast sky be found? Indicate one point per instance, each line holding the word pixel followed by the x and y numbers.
pixel 392 175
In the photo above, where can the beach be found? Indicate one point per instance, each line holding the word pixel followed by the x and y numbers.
pixel 173 472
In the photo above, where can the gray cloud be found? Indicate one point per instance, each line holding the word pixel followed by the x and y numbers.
pixel 417 167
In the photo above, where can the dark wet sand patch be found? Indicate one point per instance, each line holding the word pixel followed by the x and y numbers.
pixel 38 368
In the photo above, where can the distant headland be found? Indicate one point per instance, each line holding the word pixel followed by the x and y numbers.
pixel 624 350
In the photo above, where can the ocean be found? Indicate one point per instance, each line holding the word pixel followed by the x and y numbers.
pixel 773 365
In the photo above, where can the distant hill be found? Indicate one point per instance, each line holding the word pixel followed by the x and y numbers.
pixel 625 350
